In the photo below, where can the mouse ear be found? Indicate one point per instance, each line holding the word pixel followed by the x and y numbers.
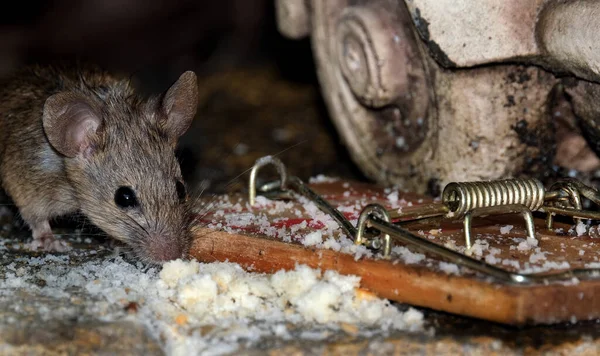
pixel 180 104
pixel 70 123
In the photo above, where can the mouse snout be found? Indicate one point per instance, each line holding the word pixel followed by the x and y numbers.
pixel 165 248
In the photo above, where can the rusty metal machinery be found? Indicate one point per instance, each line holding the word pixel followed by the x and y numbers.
pixel 425 92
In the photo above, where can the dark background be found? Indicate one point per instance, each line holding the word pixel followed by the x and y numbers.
pixel 155 39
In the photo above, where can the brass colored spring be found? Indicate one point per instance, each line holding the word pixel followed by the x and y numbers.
pixel 463 197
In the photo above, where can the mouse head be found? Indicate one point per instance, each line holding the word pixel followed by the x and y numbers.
pixel 120 161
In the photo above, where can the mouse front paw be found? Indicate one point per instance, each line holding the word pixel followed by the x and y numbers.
pixel 49 244
pixel 44 239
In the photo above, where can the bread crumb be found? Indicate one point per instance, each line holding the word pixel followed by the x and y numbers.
pixel 435 232
pixel 349 328
pixel 181 319
pixel 363 294
pixel 581 228
pixel 313 238
pixel 449 268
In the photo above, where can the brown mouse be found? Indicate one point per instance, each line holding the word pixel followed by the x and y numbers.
pixel 82 139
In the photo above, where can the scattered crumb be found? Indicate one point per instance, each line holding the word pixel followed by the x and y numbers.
pixel 349 328
pixel 505 229
pixel 435 232
pixel 406 255
pixel 322 179
pixel 313 238
pixel 393 198
pixel 478 247
pixel 580 228
pixel 527 244
pixel 537 256
pixel 449 268
pixel 181 319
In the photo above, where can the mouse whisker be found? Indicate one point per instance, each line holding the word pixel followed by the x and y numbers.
pixel 202 214
pixel 207 234
pixel 145 219
pixel 196 200
pixel 146 232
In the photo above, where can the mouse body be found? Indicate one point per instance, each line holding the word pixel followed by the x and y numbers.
pixel 81 139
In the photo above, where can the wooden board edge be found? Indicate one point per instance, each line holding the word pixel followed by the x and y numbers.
pixel 401 283
pixel 415 285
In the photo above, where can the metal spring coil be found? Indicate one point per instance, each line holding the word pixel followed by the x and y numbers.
pixel 463 197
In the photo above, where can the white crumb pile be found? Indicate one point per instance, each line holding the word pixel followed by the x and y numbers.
pixel 196 308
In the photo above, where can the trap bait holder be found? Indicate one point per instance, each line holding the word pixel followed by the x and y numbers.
pixel 464 200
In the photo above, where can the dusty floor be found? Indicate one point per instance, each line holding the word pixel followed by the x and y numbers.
pixel 237 123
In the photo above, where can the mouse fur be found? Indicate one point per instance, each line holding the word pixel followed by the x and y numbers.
pixel 71 137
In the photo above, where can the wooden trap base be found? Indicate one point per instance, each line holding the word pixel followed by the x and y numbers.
pixel 427 281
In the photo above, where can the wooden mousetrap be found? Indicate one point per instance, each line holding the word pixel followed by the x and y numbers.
pixel 480 251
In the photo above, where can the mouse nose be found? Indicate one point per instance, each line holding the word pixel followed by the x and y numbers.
pixel 166 248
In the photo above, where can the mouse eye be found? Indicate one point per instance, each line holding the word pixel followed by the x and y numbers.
pixel 125 198
pixel 181 193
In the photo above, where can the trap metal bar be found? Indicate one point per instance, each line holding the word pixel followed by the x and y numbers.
pixel 459 200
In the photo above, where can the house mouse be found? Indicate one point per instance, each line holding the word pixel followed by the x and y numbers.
pixel 80 139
